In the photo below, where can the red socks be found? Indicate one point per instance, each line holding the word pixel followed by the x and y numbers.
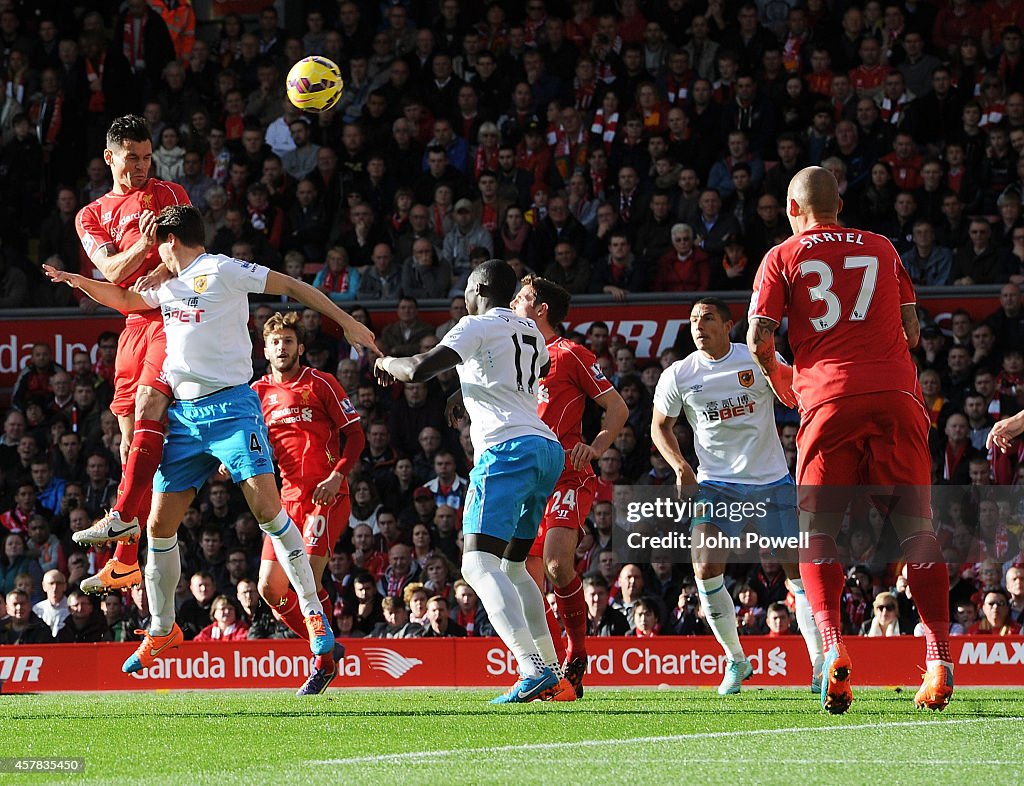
pixel 823 579
pixel 573 611
pixel 291 615
pixel 143 459
pixel 556 632
pixel 128 553
pixel 929 582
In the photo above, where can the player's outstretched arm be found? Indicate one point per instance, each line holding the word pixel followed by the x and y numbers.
pixel 761 343
pixel 124 300
pixel 665 441
pixel 356 333
pixel 117 267
pixel 418 368
pixel 615 415
pixel 1004 431
pixel 911 325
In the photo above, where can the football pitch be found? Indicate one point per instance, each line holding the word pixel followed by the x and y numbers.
pixel 448 736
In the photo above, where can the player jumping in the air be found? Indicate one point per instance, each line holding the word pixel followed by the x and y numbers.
pixel 304 410
pixel 852 323
pixel 731 411
pixel 216 418
pixel 117 233
pixel 500 357
pixel 562 394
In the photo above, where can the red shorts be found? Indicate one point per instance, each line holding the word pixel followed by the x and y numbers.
pixel 321 526
pixel 568 506
pixel 875 440
pixel 141 350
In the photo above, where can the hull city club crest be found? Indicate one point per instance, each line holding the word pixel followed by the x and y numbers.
pixel 199 284
pixel 746 377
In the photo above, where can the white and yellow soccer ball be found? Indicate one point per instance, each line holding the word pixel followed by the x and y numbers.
pixel 314 84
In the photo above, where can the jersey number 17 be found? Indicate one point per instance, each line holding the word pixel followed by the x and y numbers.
pixel 531 342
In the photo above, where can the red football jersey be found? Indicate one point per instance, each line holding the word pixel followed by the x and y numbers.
pixel 113 220
pixel 842 290
pixel 573 378
pixel 304 416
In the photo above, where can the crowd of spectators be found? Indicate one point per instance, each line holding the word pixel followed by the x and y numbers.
pixel 615 149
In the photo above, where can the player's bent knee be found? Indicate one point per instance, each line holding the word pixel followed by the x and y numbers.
pixel 708 570
pixel 560 570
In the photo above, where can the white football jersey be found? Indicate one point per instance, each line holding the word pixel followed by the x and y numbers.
pixel 731 408
pixel 206 317
pixel 502 355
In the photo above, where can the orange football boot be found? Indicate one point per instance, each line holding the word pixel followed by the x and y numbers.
pixel 563 691
pixel 836 695
pixel 936 688
pixel 151 648
pixel 115 575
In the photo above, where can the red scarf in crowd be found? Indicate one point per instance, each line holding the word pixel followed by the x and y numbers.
pixel 97 101
pixel 134 48
pixel 605 127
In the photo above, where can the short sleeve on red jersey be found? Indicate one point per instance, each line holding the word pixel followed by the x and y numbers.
pixel 91 231
pixel 769 296
pixel 586 373
pixel 907 295
pixel 335 400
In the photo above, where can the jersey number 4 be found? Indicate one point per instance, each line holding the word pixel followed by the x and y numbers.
pixel 530 341
pixel 823 290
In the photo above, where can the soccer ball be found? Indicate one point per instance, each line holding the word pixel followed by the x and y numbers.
pixel 314 84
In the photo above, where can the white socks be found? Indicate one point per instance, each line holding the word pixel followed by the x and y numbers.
pixel 291 554
pixel 504 609
pixel 535 611
pixel 721 615
pixel 808 627
pixel 163 570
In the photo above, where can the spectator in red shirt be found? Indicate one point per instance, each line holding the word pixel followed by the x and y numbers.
pixel 778 620
pixel 225 626
pixel 867 78
pixel 683 268
pixel 905 162
pixel 996 622
pixel 33 383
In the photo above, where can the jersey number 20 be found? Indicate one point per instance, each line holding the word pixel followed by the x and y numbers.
pixel 823 290
pixel 530 341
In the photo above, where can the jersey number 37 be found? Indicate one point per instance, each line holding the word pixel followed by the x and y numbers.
pixel 823 290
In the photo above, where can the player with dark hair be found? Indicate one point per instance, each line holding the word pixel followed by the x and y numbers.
pixel 562 394
pixel 304 410
pixel 852 323
pixel 216 419
pixel 500 358
pixel 118 234
pixel 731 410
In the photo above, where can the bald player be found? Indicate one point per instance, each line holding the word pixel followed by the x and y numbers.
pixel 852 324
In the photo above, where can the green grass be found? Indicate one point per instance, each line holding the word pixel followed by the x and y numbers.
pixel 617 737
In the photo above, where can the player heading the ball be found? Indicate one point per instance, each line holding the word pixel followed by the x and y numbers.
pixel 216 417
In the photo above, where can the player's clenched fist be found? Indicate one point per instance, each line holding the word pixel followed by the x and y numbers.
pixel 781 380
pixel 582 455
pixel 381 372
